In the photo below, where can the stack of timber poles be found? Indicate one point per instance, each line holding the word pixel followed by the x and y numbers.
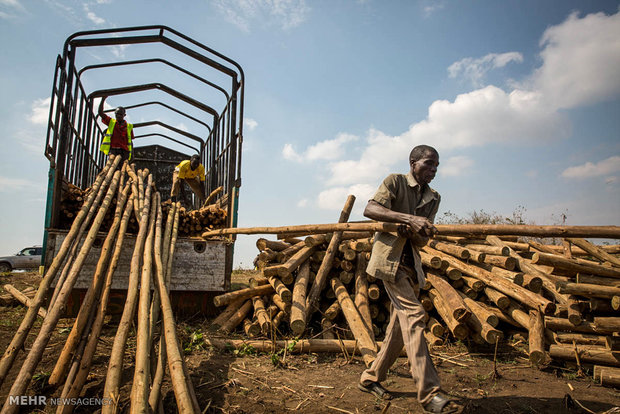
pixel 479 287
pixel 150 266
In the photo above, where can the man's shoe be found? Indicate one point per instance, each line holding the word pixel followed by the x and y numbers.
pixel 375 389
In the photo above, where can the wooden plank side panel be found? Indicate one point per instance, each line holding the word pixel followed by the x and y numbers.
pixel 197 266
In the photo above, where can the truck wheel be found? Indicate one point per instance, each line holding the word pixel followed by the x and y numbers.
pixel 5 267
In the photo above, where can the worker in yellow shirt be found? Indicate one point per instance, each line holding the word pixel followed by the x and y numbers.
pixel 193 173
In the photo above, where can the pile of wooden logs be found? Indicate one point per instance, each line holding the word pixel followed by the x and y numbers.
pixel 151 263
pixel 479 288
pixel 191 222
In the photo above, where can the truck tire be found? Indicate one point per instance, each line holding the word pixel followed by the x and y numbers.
pixel 5 267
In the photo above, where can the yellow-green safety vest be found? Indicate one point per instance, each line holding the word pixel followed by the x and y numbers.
pixel 105 145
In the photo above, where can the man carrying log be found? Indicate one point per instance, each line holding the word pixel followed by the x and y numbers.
pixel 118 138
pixel 193 173
pixel 406 199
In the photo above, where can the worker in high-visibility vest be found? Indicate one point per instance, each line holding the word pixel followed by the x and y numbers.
pixel 193 173
pixel 118 138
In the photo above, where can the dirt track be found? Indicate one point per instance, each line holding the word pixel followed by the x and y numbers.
pixel 261 383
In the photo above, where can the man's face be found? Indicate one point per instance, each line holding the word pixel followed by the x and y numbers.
pixel 193 164
pixel 424 169
pixel 120 115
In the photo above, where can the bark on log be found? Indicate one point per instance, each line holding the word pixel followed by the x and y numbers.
pixel 587 354
pixel 536 338
pixel 607 323
pixel 595 251
pixel 561 262
pixel 453 301
pixel 281 290
pixel 574 311
pixel 588 290
pixel 579 338
pixel 25 300
pixel 361 293
pixel 458 329
pixel 321 276
pixel 608 232
pixel 354 319
pixel 298 309
pixel 247 293
pixel 231 324
pixel 451 249
pixel 19 338
pixel 435 327
pixel 561 324
pixel 596 280
pixel 502 301
pixel 483 313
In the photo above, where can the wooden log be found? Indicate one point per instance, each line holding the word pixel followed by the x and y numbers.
pixel 327 327
pixel 374 292
pixel 247 293
pixel 451 249
pixel 283 291
pixel 275 245
pixel 55 312
pixel 458 329
pixel 579 338
pixel 473 283
pixel 561 262
pixel 588 290
pixel 355 322
pixel 142 375
pixel 251 328
pixel 615 303
pixel 87 210
pixel 595 251
pixel 502 301
pixel 501 316
pixel 281 304
pixel 91 346
pixel 505 262
pixel 596 280
pixel 483 313
pixel 561 324
pixel 321 276
pixel 610 378
pixel 93 293
pixel 298 308
pixel 435 327
pixel 361 293
pixel 587 354
pixel 574 310
pixel 536 338
pixel 510 289
pixel 607 323
pixel 260 313
pixel 518 316
pixel 332 311
pixel 25 300
pixel 493 250
pixel 231 324
pixel 429 260
pixel 612 343
pixel 453 301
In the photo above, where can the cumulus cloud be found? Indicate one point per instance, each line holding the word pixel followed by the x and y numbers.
pixel 581 58
pixel 244 14
pixel 334 198
pixel 119 50
pixel 610 165
pixel 92 16
pixel 456 166
pixel 250 124
pixel 40 109
pixel 474 69
pixel 330 149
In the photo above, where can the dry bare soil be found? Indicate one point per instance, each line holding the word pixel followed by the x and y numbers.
pixel 245 381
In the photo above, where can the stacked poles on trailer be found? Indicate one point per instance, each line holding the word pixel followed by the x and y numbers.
pixel 478 287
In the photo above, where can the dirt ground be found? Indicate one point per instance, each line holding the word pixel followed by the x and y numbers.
pixel 249 382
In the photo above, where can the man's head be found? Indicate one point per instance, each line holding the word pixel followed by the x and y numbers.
pixel 194 161
pixel 424 161
pixel 119 113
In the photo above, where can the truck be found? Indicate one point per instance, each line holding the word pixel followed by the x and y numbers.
pixel 186 80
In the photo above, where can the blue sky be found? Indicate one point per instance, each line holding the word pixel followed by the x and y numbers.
pixel 521 98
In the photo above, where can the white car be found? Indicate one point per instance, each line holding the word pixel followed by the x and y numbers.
pixel 28 258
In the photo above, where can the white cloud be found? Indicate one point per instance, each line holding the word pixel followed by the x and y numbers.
pixel 182 127
pixel 93 17
pixel 119 50
pixel 8 184
pixel 40 111
pixel 285 14
pixel 581 58
pixel 475 69
pixel 10 7
pixel 456 166
pixel 334 198
pixel 611 180
pixel 432 6
pixel 330 149
pixel 610 165
pixel 302 203
pixel 250 123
